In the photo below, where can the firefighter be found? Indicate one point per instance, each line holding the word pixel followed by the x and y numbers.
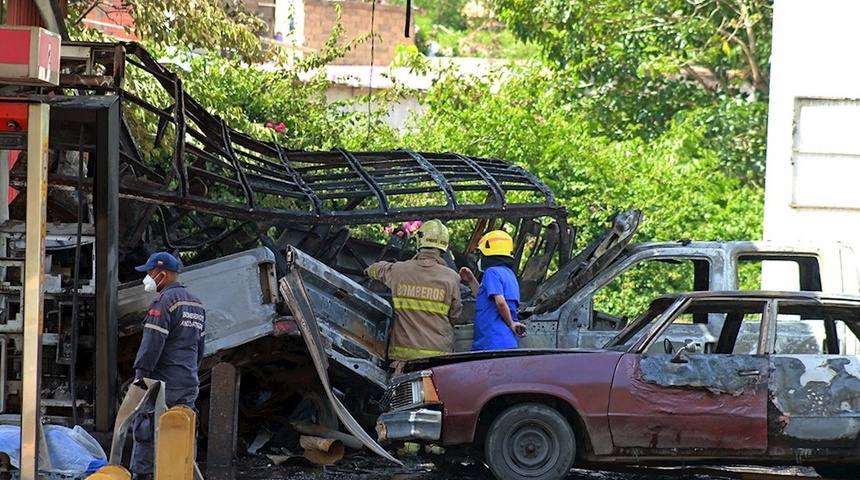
pixel 171 350
pixel 426 297
pixel 498 296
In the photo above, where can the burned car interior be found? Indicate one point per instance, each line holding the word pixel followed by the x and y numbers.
pixel 734 326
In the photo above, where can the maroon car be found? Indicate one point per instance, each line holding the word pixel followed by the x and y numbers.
pixel 768 378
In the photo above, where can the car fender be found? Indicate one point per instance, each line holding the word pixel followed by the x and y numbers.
pixel 465 389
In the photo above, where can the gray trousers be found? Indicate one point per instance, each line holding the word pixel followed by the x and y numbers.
pixel 144 425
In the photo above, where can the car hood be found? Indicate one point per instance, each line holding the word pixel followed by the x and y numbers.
pixel 577 272
pixel 429 362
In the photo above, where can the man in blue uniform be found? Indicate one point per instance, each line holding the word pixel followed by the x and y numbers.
pixel 498 296
pixel 170 351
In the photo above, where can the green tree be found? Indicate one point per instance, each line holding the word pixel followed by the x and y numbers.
pixel 203 24
pixel 611 40
pixel 634 66
pixel 523 115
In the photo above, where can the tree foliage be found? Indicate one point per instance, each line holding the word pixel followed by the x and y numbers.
pixel 636 65
pixel 614 40
pixel 523 115
pixel 215 25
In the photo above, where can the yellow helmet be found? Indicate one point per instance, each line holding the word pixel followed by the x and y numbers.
pixel 433 233
pixel 496 242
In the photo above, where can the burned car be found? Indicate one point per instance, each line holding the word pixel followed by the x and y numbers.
pixel 750 377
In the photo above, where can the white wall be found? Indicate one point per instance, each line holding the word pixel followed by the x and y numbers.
pixel 813 172
pixel 397 115
pixel 286 10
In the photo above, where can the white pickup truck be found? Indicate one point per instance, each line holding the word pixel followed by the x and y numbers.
pixel 575 309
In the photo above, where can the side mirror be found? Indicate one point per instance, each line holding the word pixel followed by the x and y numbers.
pixel 689 347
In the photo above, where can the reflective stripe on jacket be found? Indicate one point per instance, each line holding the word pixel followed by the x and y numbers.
pixel 405 353
pixel 173 335
pixel 426 297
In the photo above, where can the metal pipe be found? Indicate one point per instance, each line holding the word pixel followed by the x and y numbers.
pixel 76 308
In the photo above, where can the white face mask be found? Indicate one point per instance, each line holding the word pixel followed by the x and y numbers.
pixel 149 284
pixel 480 268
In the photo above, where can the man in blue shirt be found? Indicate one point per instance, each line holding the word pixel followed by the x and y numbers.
pixel 498 296
pixel 171 350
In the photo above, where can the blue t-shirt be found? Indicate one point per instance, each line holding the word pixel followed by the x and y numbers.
pixel 491 331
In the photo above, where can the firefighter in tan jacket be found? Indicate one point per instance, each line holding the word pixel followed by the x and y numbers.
pixel 426 297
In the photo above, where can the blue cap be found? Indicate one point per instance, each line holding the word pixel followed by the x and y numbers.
pixel 162 260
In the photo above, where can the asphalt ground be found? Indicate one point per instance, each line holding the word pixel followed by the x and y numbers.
pixel 364 465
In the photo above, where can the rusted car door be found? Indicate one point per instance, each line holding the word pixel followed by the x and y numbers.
pixel 815 375
pixel 713 403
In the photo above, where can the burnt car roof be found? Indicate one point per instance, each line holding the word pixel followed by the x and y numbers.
pixel 765 295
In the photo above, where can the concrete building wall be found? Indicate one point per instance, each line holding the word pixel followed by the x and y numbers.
pixel 397 115
pixel 389 22
pixel 813 147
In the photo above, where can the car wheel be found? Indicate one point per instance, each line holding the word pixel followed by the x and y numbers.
pixel 837 470
pixel 531 441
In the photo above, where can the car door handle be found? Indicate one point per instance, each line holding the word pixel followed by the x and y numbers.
pixel 749 373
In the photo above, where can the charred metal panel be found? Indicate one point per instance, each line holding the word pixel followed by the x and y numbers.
pixel 355 319
pixel 542 334
pixel 236 291
pixel 817 398
pixel 658 406
pixel 293 289
pixel 732 374
pixel 578 379
pixel 551 294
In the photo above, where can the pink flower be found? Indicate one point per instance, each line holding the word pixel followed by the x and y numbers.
pixel 591 208
pixel 412 227
pixel 281 128
pixel 400 233
pixel 269 125
pixel 388 229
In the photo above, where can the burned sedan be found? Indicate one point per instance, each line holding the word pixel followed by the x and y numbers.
pixel 770 378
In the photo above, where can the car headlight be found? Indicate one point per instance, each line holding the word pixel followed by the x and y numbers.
pixel 413 390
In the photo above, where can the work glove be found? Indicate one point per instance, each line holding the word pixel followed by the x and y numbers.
pixel 140 383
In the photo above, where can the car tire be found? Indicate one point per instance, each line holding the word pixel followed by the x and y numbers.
pixel 532 441
pixel 838 470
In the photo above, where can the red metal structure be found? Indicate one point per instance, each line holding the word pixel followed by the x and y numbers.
pixel 48 14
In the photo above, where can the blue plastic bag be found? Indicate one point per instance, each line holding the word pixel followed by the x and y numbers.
pixel 72 451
